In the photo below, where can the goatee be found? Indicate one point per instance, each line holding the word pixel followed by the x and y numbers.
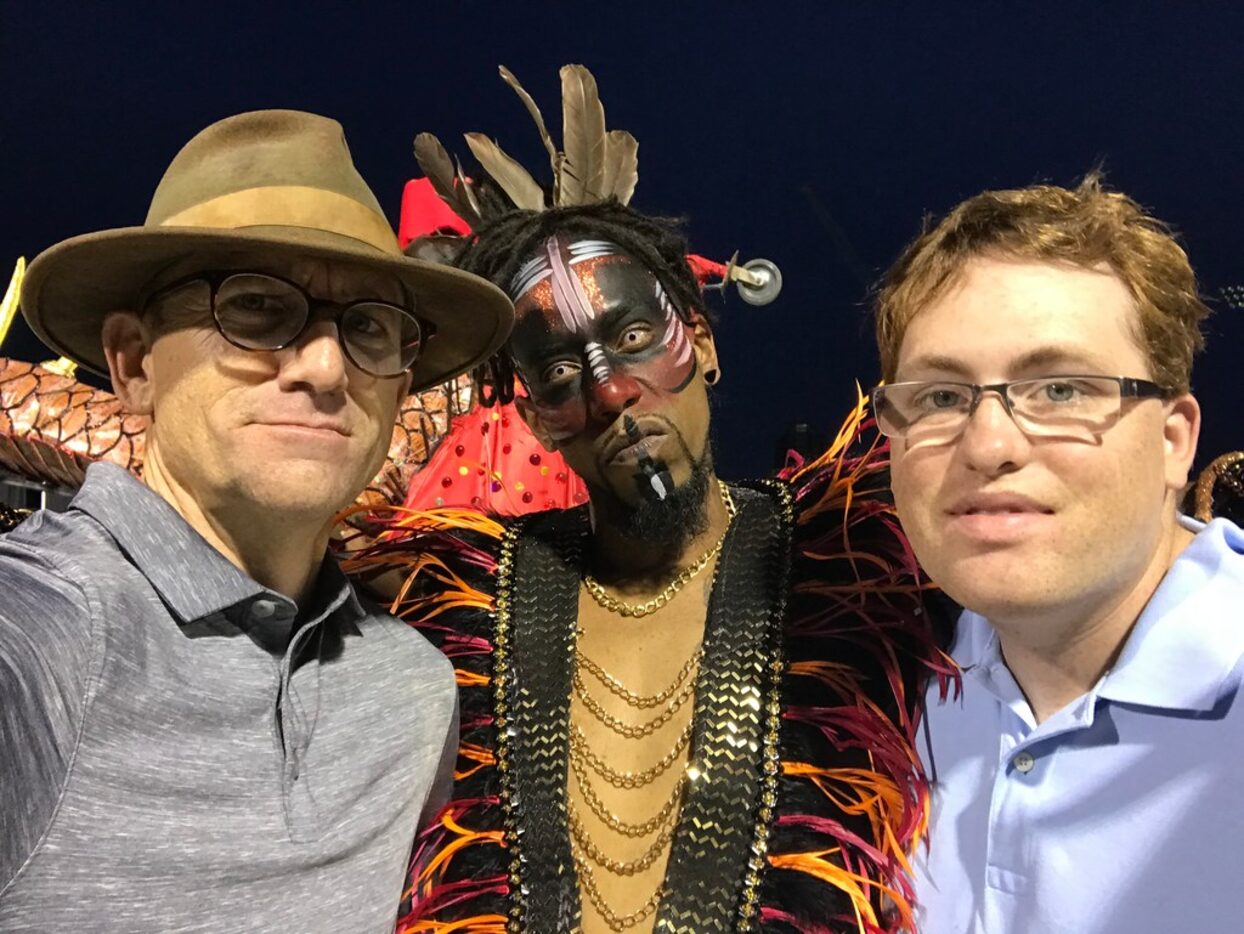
pixel 672 522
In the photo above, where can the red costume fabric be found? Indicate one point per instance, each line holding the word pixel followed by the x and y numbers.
pixel 425 214
pixel 489 461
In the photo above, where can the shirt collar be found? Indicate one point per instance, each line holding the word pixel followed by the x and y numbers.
pixel 1188 639
pixel 976 643
pixel 192 578
pixel 1185 642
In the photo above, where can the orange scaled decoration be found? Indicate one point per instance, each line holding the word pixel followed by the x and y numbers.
pixel 52 426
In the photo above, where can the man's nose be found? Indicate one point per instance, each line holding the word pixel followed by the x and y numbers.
pixel 992 442
pixel 317 359
pixel 611 393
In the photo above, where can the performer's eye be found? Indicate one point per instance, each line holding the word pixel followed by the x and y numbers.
pixel 635 338
pixel 559 373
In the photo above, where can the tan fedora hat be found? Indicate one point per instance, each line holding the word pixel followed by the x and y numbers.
pixel 271 181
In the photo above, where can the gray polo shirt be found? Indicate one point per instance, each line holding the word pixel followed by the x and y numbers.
pixel 182 749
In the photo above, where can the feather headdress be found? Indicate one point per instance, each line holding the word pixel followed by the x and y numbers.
pixel 594 164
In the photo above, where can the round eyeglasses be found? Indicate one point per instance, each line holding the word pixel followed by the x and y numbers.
pixel 259 311
pixel 1073 407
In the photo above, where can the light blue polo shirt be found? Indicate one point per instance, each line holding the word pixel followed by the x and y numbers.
pixel 1122 813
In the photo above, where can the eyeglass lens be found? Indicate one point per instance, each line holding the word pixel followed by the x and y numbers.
pixel 1076 407
pixel 260 312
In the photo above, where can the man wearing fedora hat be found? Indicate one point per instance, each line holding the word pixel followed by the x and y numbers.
pixel 190 690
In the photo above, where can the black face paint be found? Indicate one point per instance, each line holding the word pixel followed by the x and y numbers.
pixel 654 480
pixel 652 476
pixel 675 520
pixel 575 302
pixel 631 429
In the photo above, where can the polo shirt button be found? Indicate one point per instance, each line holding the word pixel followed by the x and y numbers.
pixel 262 609
pixel 1024 762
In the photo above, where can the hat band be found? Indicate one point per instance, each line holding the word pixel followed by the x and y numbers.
pixel 290 206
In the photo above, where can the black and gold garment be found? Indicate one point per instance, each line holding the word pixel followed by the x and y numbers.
pixel 11 517
pixel 817 647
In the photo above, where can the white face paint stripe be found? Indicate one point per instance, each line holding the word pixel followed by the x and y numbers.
pixel 568 295
pixel 582 250
pixel 536 270
pixel 671 331
pixel 530 274
pixel 676 340
pixel 675 333
pixel 683 351
pixel 664 301
pixel 574 306
pixel 658 487
pixel 596 359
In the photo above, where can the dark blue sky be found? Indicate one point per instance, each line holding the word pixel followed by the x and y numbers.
pixel 816 134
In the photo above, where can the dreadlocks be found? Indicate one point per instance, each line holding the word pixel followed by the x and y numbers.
pixel 501 245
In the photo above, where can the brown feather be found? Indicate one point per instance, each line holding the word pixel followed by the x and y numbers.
pixel 514 180
pixel 439 169
pixel 434 160
pixel 583 136
pixel 621 166
pixel 468 194
pixel 529 102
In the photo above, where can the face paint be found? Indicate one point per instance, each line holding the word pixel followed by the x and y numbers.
pixel 658 481
pixel 596 331
pixel 653 479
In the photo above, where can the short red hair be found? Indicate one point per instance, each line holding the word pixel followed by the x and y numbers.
pixel 1085 226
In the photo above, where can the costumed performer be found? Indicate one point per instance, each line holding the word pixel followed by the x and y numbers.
pixel 692 705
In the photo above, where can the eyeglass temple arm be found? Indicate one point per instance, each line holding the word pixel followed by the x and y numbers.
pixel 1130 387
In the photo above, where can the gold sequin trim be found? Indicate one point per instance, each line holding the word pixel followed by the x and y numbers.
pixel 505 581
pixel 770 752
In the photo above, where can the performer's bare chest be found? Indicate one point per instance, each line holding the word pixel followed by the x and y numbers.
pixel 631 713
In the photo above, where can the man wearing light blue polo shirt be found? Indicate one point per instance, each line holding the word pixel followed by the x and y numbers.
pixel 1037 346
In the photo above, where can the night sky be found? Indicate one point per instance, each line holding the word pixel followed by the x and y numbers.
pixel 814 134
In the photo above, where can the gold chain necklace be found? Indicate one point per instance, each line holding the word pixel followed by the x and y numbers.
pixel 616 922
pixel 613 821
pixel 584 850
pixel 620 690
pixel 615 866
pixel 636 610
pixel 627 780
pixel 621 727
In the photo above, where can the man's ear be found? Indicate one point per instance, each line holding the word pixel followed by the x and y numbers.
pixel 528 413
pixel 127 347
pixel 1180 432
pixel 705 348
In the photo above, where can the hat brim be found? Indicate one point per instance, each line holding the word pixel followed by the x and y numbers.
pixel 71 287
